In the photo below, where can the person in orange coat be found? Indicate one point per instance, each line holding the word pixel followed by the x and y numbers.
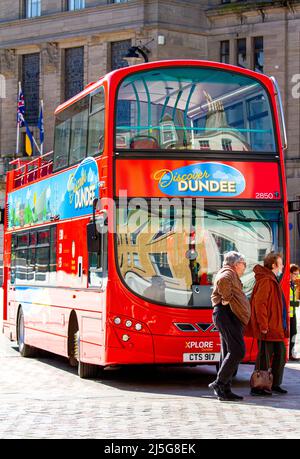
pixel 269 320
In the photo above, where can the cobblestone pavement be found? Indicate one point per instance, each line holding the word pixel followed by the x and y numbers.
pixel 44 398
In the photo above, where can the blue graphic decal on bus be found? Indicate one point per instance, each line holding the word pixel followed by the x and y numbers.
pixel 67 195
pixel 213 180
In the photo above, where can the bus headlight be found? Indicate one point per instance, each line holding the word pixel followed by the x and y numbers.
pixel 125 338
pixel 138 327
pixel 128 323
pixel 117 320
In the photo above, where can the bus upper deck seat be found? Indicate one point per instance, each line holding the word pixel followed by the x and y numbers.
pixel 144 142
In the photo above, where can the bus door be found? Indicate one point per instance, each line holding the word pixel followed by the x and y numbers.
pixel 97 252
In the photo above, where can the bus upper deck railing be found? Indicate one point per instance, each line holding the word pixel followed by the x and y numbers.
pixel 29 171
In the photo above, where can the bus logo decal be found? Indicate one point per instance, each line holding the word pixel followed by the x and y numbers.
pixel 210 179
pixel 67 195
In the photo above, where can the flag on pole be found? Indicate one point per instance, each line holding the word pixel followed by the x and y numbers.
pixel 21 122
pixel 28 140
pixel 41 127
pixel 21 108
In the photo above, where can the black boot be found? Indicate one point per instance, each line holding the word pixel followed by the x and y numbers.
pixel 279 390
pixel 219 389
pixel 234 396
pixel 260 392
pixel 224 394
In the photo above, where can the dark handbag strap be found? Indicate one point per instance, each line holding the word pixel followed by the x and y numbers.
pixel 259 353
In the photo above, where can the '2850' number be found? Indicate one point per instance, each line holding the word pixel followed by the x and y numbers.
pixel 264 195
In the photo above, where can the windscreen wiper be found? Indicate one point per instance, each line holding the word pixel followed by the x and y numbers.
pixel 240 218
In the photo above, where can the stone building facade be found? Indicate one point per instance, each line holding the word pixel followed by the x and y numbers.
pixel 45 41
pixel 278 23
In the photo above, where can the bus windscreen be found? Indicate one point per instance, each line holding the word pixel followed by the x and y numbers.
pixel 172 259
pixel 188 108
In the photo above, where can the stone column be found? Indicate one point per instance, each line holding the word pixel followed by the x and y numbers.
pixel 97 58
pixel 8 131
pixel 8 112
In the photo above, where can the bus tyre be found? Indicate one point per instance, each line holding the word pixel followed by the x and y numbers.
pixel 24 349
pixel 85 370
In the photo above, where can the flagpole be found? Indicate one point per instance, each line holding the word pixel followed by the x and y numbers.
pixel 18 125
pixel 35 143
pixel 42 143
pixel 18 140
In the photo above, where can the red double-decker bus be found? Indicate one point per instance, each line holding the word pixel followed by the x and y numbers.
pixel 113 240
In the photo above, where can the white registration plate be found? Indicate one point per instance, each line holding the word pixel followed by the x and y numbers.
pixel 207 357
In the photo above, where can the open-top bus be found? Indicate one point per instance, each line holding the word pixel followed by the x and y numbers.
pixel 112 241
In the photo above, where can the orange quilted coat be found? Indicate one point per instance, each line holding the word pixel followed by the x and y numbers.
pixel 266 307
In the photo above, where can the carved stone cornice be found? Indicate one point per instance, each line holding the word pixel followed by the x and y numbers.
pixel 50 57
pixel 8 61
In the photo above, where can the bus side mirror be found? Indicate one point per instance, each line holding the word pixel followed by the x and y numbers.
pixel 2 216
pixel 294 206
pixel 93 238
pixel 96 231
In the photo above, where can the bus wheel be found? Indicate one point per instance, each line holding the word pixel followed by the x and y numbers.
pixel 85 370
pixel 24 349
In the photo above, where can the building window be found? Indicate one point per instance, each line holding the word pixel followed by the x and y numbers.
pixel 258 45
pixel 224 52
pixel 118 51
pixel 204 145
pixel 242 52
pixel 31 87
pixel 32 8
pixel 227 144
pixel 136 261
pixel 76 5
pixel 74 71
pixel 161 264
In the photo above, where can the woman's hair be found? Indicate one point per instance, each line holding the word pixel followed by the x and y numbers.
pixel 271 259
pixel 231 258
pixel 294 268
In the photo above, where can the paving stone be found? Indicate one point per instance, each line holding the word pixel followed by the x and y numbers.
pixel 44 398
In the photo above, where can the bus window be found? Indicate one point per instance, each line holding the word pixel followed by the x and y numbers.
pixel 53 264
pixel 97 253
pixel 79 128
pixel 33 256
pixel 96 124
pixel 43 237
pixel 13 259
pixel 21 264
pixel 61 144
pixel 31 264
pixel 42 264
pixel 79 131
pixel 194 109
